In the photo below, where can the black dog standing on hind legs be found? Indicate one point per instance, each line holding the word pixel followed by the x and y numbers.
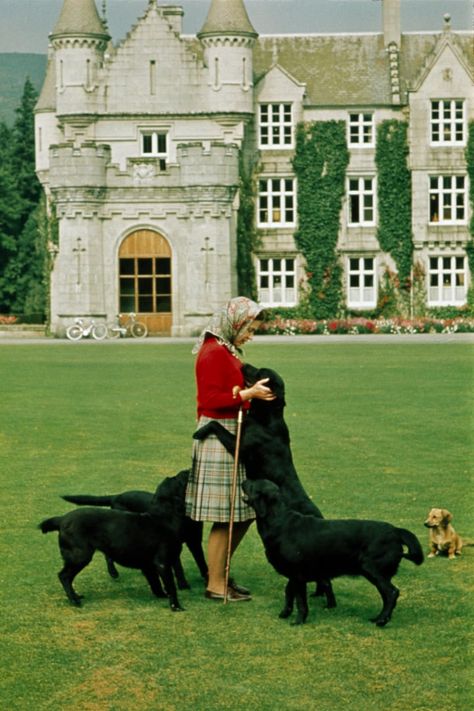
pixel 150 542
pixel 265 451
pixel 304 548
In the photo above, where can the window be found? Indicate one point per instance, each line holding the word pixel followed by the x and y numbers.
pixel 155 145
pixel 276 202
pixel 276 126
pixel 276 278
pixel 447 199
pixel 145 284
pixel 447 122
pixel 361 201
pixel 447 281
pixel 361 130
pixel 361 291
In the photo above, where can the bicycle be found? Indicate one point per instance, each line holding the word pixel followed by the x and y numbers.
pixel 78 330
pixel 131 327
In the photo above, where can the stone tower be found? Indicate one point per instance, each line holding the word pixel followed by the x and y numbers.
pixel 228 38
pixel 79 41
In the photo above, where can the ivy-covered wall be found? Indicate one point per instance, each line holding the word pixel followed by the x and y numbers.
pixel 394 232
pixel 470 244
pixel 320 164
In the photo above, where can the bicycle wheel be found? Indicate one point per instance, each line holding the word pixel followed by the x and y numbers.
pixel 138 330
pixel 74 332
pixel 99 331
pixel 113 332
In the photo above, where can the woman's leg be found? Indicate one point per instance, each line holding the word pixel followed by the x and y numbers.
pixel 217 551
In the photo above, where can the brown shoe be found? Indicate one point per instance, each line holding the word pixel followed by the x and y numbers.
pixel 238 588
pixel 232 596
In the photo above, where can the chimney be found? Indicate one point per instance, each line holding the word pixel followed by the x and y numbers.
pixel 391 22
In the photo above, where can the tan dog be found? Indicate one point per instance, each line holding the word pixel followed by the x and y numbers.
pixel 443 537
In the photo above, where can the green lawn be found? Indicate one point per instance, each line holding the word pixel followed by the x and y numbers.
pixel 378 430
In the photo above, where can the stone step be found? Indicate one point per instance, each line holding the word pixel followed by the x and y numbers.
pixel 24 330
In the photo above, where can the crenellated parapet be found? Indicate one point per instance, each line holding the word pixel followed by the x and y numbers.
pixel 78 166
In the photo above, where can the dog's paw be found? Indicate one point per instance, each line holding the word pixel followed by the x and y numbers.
pixel 177 608
pixel 285 613
pixel 432 555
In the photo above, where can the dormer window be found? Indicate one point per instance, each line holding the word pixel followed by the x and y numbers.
pixel 361 130
pixel 448 122
pixel 154 144
pixel 276 126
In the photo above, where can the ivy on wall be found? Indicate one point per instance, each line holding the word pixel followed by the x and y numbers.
pixel 320 163
pixel 394 196
pixel 470 244
pixel 246 231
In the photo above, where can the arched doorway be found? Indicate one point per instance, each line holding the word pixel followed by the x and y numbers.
pixel 145 280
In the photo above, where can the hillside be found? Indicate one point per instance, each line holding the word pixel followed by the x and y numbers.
pixel 14 69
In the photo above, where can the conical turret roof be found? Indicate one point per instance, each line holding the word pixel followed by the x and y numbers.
pixel 227 17
pixel 79 17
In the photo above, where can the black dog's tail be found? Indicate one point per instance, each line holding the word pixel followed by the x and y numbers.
pixel 50 524
pixel 415 551
pixel 85 500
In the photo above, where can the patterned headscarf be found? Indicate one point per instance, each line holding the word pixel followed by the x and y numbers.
pixel 231 321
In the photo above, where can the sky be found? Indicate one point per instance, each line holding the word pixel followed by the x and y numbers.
pixel 25 24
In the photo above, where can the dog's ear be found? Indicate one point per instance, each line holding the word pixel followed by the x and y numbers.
pixel 447 516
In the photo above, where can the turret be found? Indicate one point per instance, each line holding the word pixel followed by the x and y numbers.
pixel 79 40
pixel 228 38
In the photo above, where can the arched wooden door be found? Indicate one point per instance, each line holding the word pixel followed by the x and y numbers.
pixel 145 280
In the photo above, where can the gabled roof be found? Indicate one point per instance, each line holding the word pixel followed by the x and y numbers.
pixel 227 17
pixel 461 46
pixel 79 17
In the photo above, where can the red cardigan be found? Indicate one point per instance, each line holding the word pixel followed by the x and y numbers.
pixel 217 372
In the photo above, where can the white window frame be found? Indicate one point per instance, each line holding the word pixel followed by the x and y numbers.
pixel 280 275
pixel 361 129
pixel 366 197
pixel 155 150
pixel 364 294
pixel 448 122
pixel 276 202
pixel 275 126
pixel 450 274
pixel 447 199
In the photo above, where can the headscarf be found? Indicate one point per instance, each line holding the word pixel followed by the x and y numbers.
pixel 230 322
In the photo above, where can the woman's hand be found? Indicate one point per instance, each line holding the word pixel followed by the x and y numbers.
pixel 258 390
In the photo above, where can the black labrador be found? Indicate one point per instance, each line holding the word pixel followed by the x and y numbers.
pixel 149 541
pixel 304 548
pixel 265 449
pixel 139 501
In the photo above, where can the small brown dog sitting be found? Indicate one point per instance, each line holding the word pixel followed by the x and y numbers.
pixel 443 537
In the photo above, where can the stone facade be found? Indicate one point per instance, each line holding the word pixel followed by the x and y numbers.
pixel 138 149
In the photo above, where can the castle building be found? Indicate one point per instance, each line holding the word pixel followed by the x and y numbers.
pixel 139 147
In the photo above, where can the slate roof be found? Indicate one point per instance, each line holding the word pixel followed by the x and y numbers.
pixel 227 17
pixel 79 17
pixel 351 69
pixel 47 98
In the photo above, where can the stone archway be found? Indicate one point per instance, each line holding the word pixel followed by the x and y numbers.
pixel 145 284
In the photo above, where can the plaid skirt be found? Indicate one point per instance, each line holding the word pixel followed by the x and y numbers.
pixel 209 490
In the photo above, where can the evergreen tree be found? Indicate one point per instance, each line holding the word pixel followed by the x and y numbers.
pixel 23 240
pixel 10 213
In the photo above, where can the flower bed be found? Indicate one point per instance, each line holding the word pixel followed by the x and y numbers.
pixel 7 320
pixel 356 326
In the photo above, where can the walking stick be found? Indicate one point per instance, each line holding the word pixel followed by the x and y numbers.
pixel 232 503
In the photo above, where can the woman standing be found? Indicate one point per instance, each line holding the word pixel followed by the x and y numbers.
pixel 221 392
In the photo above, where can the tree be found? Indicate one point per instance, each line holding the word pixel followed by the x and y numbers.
pixel 23 239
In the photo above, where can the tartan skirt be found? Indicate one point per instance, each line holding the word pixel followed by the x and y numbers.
pixel 209 490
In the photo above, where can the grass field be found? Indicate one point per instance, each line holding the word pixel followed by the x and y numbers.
pixel 378 430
